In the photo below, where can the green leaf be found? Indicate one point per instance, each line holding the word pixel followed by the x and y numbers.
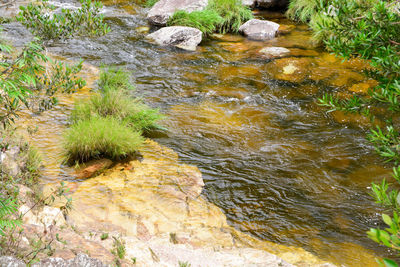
pixel 390 263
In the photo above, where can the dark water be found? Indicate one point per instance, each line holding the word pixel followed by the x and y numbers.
pixel 278 166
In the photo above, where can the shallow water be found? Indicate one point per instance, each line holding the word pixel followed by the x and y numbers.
pixel 276 164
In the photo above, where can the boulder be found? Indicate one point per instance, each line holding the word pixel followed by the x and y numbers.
pixel 259 30
pixel 163 9
pixel 273 4
pixel 186 38
pixel 274 52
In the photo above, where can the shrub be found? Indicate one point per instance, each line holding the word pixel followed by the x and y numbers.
pixel 45 23
pixel 206 20
pixel 220 15
pixel 368 29
pixel 100 137
pixel 115 78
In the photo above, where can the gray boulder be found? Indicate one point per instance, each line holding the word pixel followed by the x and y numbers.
pixel 259 30
pixel 186 38
pixel 274 4
pixel 163 9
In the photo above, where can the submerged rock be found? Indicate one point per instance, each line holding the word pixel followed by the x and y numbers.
pixel 186 38
pixel 163 9
pixel 92 168
pixel 275 4
pixel 273 52
pixel 290 69
pixel 259 30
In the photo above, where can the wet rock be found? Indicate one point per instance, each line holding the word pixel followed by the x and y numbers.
pixel 186 38
pixel 274 4
pixel 259 30
pixel 93 167
pixel 274 52
pixel 285 29
pixel 290 69
pixel 362 88
pixel 10 261
pixel 163 9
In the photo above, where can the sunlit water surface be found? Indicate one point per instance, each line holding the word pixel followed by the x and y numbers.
pixel 278 166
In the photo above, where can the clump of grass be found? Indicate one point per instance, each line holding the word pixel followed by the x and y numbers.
pixel 115 103
pixel 115 79
pixel 220 15
pixel 150 3
pixel 206 20
pixel 100 137
pixel 233 13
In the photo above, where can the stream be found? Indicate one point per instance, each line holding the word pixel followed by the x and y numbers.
pixel 275 162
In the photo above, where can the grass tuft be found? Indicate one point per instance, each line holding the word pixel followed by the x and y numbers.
pixel 114 103
pixel 220 15
pixel 115 79
pixel 206 20
pixel 233 12
pixel 100 137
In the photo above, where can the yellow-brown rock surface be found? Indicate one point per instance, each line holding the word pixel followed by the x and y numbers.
pixel 159 196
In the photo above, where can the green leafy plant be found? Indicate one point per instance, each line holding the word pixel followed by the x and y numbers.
pixel 104 236
pixel 150 3
pixel 44 22
pixel 368 29
pixel 8 207
pixel 27 83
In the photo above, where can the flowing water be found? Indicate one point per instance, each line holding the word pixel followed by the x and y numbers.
pixel 279 167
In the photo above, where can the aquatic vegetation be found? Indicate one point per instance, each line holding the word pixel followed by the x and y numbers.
pixel 206 20
pixel 100 137
pixel 220 15
pixel 49 25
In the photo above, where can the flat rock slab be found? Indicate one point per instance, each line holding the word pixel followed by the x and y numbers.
pixel 163 9
pixel 274 52
pixel 186 38
pixel 259 30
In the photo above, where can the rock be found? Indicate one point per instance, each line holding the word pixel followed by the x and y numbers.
pixel 285 29
pixel 79 261
pixel 186 38
pixel 93 167
pixel 274 52
pixel 9 261
pixel 163 9
pixel 260 30
pixel 249 3
pixel 47 217
pixel 290 69
pixel 9 161
pixel 273 4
